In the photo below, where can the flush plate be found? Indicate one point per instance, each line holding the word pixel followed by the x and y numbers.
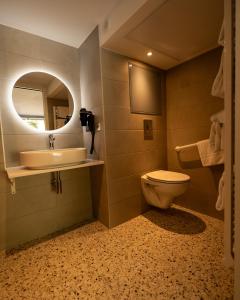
pixel 148 129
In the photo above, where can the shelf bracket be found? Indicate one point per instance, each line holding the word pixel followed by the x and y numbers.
pixel 13 186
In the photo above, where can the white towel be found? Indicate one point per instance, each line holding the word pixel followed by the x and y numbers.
pixel 207 155
pixel 221 35
pixel 215 138
pixel 217 87
pixel 220 199
pixel 219 117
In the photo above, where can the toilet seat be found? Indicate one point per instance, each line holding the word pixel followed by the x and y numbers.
pixel 167 176
pixel 161 187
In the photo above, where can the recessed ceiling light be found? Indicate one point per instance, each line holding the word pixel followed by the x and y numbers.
pixel 149 53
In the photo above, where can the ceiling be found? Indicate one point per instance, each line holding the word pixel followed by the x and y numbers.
pixel 65 21
pixel 173 30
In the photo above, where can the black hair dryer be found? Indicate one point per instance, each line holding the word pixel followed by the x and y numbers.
pixel 87 119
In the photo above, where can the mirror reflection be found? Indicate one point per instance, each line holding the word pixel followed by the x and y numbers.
pixel 42 101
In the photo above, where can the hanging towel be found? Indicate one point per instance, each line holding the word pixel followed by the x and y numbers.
pixel 215 137
pixel 218 88
pixel 220 199
pixel 207 155
pixel 221 35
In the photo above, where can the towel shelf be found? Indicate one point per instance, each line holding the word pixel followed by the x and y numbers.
pixel 180 148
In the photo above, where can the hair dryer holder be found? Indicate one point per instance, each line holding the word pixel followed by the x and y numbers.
pixel 87 119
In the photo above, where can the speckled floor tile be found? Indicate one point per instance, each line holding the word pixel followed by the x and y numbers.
pixel 174 254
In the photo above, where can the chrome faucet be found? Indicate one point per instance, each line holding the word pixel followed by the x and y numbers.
pixel 51 141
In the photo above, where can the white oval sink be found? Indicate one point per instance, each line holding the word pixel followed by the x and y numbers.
pixel 44 159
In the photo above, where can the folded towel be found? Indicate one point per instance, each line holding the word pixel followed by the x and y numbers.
pixel 219 117
pixel 215 138
pixel 207 155
pixel 218 88
pixel 220 199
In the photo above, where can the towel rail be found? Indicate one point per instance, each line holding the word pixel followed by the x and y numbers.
pixel 180 148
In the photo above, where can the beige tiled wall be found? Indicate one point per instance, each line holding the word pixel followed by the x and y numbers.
pixel 22 52
pixel 128 154
pixel 3 193
pixel 36 210
pixel 91 95
pixel 189 107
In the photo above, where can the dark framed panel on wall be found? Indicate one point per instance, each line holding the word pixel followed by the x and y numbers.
pixel 146 89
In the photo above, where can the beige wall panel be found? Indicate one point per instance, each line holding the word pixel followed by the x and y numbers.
pixel 189 108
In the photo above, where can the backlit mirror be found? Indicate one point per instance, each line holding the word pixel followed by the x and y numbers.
pixel 42 101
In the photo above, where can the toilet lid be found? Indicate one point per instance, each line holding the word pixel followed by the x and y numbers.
pixel 167 176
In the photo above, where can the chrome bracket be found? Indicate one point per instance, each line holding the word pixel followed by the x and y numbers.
pixel 56 182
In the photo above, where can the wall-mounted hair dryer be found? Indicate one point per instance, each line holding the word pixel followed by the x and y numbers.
pixel 87 119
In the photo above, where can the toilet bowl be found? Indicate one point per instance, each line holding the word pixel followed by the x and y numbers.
pixel 161 187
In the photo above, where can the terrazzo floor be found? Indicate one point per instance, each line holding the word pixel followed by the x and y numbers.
pixel 176 254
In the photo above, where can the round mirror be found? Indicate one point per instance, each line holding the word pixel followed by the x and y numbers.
pixel 42 101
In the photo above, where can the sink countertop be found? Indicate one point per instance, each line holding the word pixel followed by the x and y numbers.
pixel 21 171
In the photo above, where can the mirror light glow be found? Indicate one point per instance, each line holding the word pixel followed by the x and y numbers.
pixel 18 118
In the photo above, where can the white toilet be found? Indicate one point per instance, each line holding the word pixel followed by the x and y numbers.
pixel 161 187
